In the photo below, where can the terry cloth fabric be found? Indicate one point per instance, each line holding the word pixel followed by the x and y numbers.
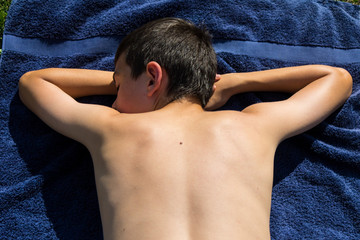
pixel 47 188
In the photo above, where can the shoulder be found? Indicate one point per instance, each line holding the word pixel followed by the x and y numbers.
pixel 252 126
pixel 236 122
pixel 244 132
pixel 123 124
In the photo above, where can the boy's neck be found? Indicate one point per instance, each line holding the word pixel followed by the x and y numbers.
pixel 182 104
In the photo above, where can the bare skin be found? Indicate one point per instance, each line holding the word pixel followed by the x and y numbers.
pixel 170 181
pixel 173 170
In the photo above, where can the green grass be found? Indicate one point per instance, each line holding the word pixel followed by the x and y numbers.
pixel 4 7
pixel 356 2
pixel 5 4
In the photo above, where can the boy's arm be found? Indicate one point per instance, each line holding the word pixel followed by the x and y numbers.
pixel 317 91
pixel 50 94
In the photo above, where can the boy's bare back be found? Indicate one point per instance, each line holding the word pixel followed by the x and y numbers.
pixel 182 173
pixel 171 170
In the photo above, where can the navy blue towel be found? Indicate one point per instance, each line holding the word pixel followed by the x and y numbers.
pixel 47 188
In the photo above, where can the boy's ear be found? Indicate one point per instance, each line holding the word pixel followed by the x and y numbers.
pixel 155 75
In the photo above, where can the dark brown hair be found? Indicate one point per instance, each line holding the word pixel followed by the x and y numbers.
pixel 181 48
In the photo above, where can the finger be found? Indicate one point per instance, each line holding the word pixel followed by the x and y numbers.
pixel 217 77
pixel 214 88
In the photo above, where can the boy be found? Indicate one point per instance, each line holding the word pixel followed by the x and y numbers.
pixel 172 170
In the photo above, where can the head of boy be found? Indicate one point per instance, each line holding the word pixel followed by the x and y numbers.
pixel 163 61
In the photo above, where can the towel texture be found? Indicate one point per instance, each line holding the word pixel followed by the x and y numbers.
pixel 47 188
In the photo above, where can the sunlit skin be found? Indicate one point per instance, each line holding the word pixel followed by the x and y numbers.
pixel 172 170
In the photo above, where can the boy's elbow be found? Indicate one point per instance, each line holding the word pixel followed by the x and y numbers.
pixel 23 81
pixel 26 77
pixel 346 81
pixel 25 84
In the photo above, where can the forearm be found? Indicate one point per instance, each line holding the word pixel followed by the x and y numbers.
pixel 74 82
pixel 288 80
